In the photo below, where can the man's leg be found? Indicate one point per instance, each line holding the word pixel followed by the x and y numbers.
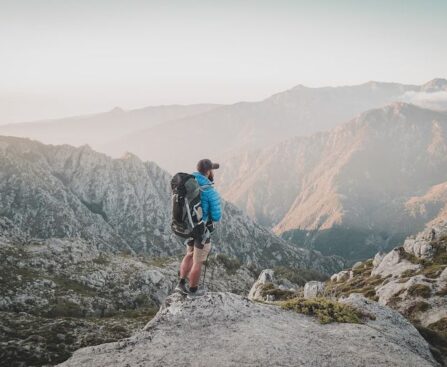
pixel 185 268
pixel 187 262
pixel 199 258
pixel 194 275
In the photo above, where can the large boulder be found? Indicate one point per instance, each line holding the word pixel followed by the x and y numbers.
pixel 276 286
pixel 393 263
pixel 223 329
pixel 313 289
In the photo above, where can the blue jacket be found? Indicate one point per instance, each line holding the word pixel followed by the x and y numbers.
pixel 210 198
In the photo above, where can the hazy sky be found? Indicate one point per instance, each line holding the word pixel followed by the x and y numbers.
pixel 66 57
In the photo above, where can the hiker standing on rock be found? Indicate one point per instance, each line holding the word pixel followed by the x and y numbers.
pixel 196 205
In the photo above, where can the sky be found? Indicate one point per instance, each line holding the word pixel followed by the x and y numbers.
pixel 69 57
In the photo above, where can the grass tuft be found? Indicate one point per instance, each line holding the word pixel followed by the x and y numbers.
pixel 325 310
pixel 419 290
pixel 280 294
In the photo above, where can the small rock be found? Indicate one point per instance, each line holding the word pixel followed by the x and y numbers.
pixel 313 289
pixel 378 259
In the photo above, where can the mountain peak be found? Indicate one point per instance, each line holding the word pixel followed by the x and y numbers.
pixel 117 110
pixel 435 85
pixel 128 156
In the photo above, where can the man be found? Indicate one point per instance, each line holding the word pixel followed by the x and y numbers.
pixel 199 245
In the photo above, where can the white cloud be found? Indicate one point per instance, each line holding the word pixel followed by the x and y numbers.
pixel 433 100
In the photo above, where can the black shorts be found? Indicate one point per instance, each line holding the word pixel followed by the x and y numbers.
pixel 197 242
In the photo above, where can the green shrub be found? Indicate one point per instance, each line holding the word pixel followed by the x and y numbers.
pixel 280 294
pixel 65 308
pixel 415 308
pixel 101 260
pixel 440 326
pixel 442 292
pixel 298 276
pixel 419 290
pixel 231 265
pixel 325 310
pixel 407 256
pixel 437 341
pixel 440 247
pixel 362 283
pixel 65 284
pixel 432 271
pixel 407 273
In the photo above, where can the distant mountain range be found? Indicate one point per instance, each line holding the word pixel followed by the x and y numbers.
pixel 99 129
pixel 379 176
pixel 177 136
pixel 290 161
pixel 121 205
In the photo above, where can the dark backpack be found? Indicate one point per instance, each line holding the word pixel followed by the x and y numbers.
pixel 186 205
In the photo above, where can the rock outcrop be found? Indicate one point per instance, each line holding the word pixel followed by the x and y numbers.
pixel 59 295
pixel 313 289
pixel 411 279
pixel 223 329
pixel 269 287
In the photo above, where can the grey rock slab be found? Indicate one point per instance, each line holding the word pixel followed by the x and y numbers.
pixel 223 329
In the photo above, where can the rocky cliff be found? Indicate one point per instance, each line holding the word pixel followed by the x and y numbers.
pixel 58 295
pixel 223 329
pixel 122 204
pixel 411 279
pixel 362 187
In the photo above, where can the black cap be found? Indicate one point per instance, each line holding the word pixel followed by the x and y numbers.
pixel 205 165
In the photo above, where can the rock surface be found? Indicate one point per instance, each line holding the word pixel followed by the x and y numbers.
pixel 229 330
pixel 58 295
pixel 411 279
pixel 268 287
pixel 313 289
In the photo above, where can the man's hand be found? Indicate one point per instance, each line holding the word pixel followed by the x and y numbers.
pixel 210 226
pixel 199 230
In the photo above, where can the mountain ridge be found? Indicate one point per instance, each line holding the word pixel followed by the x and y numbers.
pixel 360 174
pixel 65 192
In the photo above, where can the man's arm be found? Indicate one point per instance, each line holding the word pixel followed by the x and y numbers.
pixel 215 210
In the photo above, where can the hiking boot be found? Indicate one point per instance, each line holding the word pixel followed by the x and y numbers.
pixel 198 293
pixel 181 288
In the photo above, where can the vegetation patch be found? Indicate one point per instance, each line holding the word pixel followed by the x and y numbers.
pixel 69 284
pixel 325 310
pixel 415 308
pixel 159 262
pixel 442 292
pixel 65 308
pixel 437 340
pixel 362 283
pixel 440 326
pixel 407 274
pixel 364 269
pixel 298 276
pixel 440 247
pixel 231 265
pixel 419 290
pixel 433 271
pixel 269 289
pixel 101 260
